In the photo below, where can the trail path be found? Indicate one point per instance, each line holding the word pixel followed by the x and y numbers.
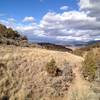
pixel 80 88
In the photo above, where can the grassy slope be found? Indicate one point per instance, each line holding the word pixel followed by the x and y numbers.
pixel 26 65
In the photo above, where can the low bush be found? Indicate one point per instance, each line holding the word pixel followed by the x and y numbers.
pixel 89 66
pixel 51 68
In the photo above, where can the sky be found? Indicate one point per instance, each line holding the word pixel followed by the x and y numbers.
pixel 53 20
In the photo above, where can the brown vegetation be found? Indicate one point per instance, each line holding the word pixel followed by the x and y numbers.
pixel 91 64
pixel 10 37
pixel 23 75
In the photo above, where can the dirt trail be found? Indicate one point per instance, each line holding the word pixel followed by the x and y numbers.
pixel 80 89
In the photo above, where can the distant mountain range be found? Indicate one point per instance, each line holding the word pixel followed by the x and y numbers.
pixel 93 42
pixel 69 47
pixel 82 43
pixel 70 43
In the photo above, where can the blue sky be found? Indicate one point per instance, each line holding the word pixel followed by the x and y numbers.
pixel 37 8
pixel 53 20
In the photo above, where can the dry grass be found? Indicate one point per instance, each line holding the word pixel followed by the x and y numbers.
pixel 25 74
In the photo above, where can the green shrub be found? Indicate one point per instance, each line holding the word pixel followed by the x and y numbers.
pixel 10 33
pixel 98 65
pixel 51 68
pixel 89 66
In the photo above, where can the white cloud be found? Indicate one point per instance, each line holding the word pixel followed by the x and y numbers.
pixel 29 19
pixel 64 8
pixel 85 4
pixel 91 6
pixel 25 28
pixel 76 25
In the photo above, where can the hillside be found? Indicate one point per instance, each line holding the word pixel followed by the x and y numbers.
pixel 81 51
pixel 23 73
pixel 56 47
pixel 10 37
